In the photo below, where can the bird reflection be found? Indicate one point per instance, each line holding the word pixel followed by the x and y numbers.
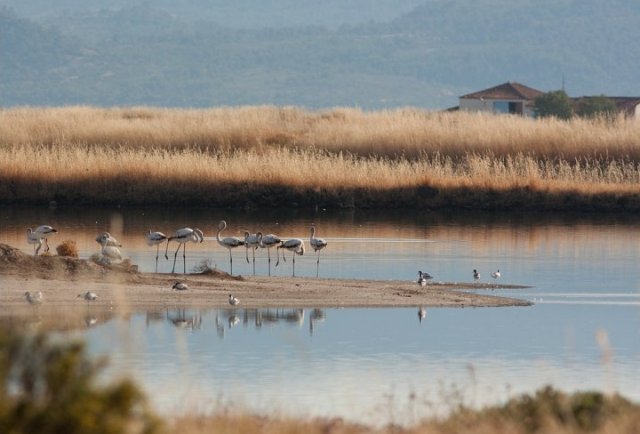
pixel 90 320
pixel 183 321
pixel 422 313
pixel 317 316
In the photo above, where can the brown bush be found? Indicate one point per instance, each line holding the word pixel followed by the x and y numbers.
pixel 68 248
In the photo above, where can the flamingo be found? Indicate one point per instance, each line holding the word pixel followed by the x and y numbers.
pixel 228 242
pixel 233 301
pixel 267 242
pixel 253 241
pixel 110 240
pixel 45 230
pixel 180 286
pixel 295 245
pixel 496 274
pixel 155 238
pixel 36 236
pixel 33 298
pixel 35 239
pixel 476 274
pixel 317 244
pixel 183 236
pixel 423 277
pixel 110 251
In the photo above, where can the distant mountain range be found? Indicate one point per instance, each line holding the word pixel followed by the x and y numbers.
pixel 371 54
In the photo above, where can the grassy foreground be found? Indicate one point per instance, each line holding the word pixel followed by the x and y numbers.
pixel 50 387
pixel 290 157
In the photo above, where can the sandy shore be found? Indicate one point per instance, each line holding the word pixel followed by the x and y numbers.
pixel 122 289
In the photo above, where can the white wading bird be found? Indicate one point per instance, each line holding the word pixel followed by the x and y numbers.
pixel 317 244
pixel 155 238
pixel 33 298
pixel 267 242
pixel 110 240
pixel 182 237
pixel 252 241
pixel 496 274
pixel 110 252
pixel 295 245
pixel 233 301
pixel 37 236
pixel 228 243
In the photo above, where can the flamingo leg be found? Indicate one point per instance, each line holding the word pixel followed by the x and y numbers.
pixel 254 260
pixel 166 250
pixel 184 258
pixel 278 256
pixel 246 252
pixel 294 263
pixel 175 255
pixel 269 256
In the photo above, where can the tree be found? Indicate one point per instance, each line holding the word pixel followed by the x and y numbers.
pixel 597 106
pixel 555 103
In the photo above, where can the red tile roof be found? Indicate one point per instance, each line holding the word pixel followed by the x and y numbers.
pixel 508 91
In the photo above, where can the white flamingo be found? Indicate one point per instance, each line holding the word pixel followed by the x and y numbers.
pixel 228 242
pixel 183 236
pixel 35 239
pixel 110 252
pixel 233 301
pixel 295 245
pixel 253 241
pixel 36 236
pixel 155 238
pixel 317 244
pixel 33 298
pixel 267 242
pixel 496 274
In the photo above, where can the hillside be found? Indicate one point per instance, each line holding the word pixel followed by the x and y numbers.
pixel 167 54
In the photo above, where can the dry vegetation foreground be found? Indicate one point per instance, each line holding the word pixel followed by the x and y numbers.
pixel 270 156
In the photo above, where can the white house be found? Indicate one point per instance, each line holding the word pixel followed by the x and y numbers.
pixel 510 97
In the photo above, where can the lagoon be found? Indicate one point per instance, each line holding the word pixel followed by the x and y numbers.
pixel 377 365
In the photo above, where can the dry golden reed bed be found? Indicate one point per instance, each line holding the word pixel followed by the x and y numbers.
pixel 282 156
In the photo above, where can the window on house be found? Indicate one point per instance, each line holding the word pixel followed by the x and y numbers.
pixel 501 106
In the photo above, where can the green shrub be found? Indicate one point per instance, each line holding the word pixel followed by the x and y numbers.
pixel 51 388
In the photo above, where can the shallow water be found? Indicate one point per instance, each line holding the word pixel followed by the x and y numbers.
pixel 378 365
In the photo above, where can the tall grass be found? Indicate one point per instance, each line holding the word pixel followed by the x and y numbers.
pixel 341 157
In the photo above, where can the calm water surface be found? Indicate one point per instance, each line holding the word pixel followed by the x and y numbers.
pixel 378 365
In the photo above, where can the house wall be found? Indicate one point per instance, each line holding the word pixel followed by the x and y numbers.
pixel 492 106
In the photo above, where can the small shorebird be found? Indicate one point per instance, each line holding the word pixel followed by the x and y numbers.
pixel 295 245
pixel 33 298
pixel 228 243
pixel 183 236
pixel 233 301
pixel 267 242
pixel 317 244
pixel 89 296
pixel 423 277
pixel 496 274
pixel 180 286
pixel 155 238
pixel 476 274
